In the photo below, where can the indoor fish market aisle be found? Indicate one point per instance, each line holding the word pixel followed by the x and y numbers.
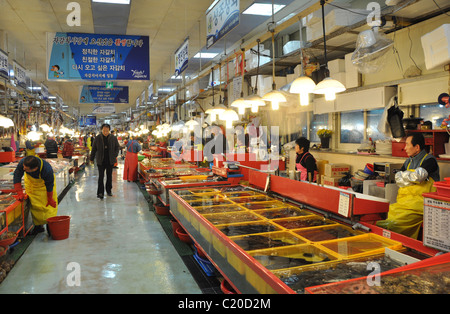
pixel 116 245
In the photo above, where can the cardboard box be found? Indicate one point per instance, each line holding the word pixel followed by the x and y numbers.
pixel 352 75
pixel 336 170
pixel 333 181
pixel 340 76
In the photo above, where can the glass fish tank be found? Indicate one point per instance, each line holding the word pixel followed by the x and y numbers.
pixel 218 209
pixel 433 279
pixel 327 233
pixel 241 194
pixel 263 205
pixel 250 199
pixel 299 279
pixel 294 256
pixel 303 222
pixel 248 228
pixel 231 217
pixel 266 240
pixel 283 212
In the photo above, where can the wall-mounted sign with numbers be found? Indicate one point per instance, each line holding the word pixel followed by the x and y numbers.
pixel 97 57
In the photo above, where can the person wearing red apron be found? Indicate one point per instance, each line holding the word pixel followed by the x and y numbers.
pixel 130 170
pixel 305 162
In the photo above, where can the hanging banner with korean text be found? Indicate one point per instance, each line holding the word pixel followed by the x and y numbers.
pixel 4 72
pixel 105 109
pixel 20 75
pixel 97 57
pixel 94 94
pixel 220 20
pixel 182 57
pixel 44 92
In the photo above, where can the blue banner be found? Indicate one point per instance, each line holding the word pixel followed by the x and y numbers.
pixel 93 94
pixel 182 58
pixel 97 57
pixel 88 121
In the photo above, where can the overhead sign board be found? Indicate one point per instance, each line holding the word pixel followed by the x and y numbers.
pixel 221 19
pixel 96 94
pixel 97 57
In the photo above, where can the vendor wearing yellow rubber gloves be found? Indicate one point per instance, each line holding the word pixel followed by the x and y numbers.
pixel 40 187
pixel 416 177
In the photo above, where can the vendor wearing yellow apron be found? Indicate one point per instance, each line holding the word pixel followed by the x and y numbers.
pixel 416 177
pixel 40 187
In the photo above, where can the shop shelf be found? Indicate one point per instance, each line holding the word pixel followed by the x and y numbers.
pixel 263 205
pixel 247 228
pixel 266 240
pixel 362 245
pixel 219 209
pixel 231 217
pixel 327 233
pixel 303 222
pixel 283 212
pixel 293 256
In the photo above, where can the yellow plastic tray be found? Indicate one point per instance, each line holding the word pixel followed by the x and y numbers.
pixel 263 205
pixel 274 239
pixel 251 199
pixel 327 233
pixel 303 255
pixel 204 210
pixel 282 212
pixel 208 202
pixel 311 221
pixel 358 246
pixel 192 178
pixel 240 194
pixel 247 228
pixel 203 191
pixel 231 217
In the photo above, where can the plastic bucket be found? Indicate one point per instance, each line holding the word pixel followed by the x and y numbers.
pixel 226 287
pixel 59 227
pixel 183 236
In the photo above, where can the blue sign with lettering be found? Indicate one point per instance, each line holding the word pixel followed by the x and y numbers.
pixel 97 57
pixel 93 94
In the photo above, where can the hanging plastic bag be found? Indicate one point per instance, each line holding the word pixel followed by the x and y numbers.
pixel 395 117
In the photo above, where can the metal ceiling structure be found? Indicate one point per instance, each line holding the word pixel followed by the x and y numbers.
pixel 167 23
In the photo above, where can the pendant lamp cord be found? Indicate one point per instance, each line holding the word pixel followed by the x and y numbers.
pixel 301 46
pixel 272 30
pixel 327 72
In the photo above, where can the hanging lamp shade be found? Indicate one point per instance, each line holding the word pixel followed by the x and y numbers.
pixel 6 122
pixel 275 97
pixel 191 124
pixel 229 116
pixel 303 86
pixel 255 101
pixel 329 87
pixel 241 104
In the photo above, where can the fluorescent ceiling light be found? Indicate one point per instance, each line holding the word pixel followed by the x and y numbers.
pixel 113 1
pixel 205 55
pixel 264 9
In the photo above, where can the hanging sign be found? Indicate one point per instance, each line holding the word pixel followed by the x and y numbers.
pixel 220 20
pixel 97 57
pixel 182 57
pixel 93 94
pixel 20 75
pixel 88 121
pixel 4 71
pixel 106 109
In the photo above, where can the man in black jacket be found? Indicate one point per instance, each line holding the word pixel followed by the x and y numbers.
pixel 51 147
pixel 105 150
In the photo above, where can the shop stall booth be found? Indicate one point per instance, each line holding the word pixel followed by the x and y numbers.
pixel 279 235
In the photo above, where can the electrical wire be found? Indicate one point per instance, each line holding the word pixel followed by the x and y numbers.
pixel 410 48
pixel 441 8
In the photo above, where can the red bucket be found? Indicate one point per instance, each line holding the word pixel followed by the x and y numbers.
pixel 59 227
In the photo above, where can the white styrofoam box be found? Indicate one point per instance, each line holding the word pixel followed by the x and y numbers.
pixel 336 66
pixel 261 84
pixel 290 78
pixel 280 81
pixel 436 46
pixel 314 31
pixel 291 46
pixel 352 76
pixel 316 16
pixel 298 70
pixel 339 76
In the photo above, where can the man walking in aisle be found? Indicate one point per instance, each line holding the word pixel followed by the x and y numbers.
pixel 105 150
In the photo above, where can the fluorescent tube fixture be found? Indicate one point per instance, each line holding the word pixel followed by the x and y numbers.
pixel 205 55
pixel 113 1
pixel 264 9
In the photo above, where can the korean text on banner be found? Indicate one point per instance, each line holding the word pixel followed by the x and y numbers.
pixel 97 57
pixel 4 72
pixel 182 57
pixel 221 19
pixel 94 94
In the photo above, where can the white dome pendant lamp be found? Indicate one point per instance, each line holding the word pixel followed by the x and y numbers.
pixel 328 86
pixel 303 85
pixel 274 96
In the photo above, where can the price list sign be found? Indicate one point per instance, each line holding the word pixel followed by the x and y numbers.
pixel 436 224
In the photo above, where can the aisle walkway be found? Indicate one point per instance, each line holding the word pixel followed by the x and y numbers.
pixel 117 244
